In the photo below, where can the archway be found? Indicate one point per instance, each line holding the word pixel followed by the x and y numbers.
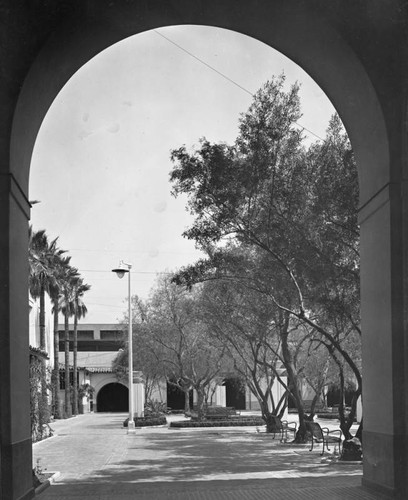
pixel 235 393
pixel 176 397
pixel 113 397
pixel 366 81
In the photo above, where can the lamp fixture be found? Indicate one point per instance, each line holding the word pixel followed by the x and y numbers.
pixel 122 269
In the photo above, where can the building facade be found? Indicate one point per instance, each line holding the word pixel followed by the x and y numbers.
pixel 98 346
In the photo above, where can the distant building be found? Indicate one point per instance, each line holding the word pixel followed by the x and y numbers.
pixel 98 345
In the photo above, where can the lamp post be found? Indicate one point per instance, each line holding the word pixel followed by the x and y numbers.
pixel 120 272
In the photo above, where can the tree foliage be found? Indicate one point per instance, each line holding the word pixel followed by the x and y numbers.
pixel 50 272
pixel 173 338
pixel 291 209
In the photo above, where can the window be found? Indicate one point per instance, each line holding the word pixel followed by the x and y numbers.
pixel 111 335
pixel 81 335
pixel 71 379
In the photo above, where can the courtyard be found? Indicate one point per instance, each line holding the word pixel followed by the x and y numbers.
pixel 97 459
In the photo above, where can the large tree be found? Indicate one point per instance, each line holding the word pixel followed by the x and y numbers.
pixel 191 358
pixel 60 268
pixel 79 310
pixel 69 279
pixel 173 337
pixel 42 255
pixel 243 320
pixel 292 207
pixel 145 352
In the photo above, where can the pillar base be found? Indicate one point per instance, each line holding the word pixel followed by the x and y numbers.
pixel 131 429
pixel 378 488
pixel 382 472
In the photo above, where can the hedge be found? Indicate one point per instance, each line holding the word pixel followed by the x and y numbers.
pixel 329 416
pixel 233 422
pixel 146 421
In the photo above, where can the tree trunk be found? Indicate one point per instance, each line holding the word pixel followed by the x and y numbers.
pixel 266 415
pixel 187 408
pixel 42 318
pixel 359 433
pixel 301 434
pixel 75 351
pixel 346 421
pixel 44 390
pixel 68 409
pixel 315 399
pixel 55 372
pixel 200 404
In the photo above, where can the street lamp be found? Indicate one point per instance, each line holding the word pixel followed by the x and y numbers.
pixel 120 272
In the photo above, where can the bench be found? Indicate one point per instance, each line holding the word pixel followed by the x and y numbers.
pixel 323 435
pixel 282 427
pixel 219 412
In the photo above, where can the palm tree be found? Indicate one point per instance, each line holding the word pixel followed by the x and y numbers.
pixel 41 255
pixel 69 279
pixel 60 269
pixel 80 311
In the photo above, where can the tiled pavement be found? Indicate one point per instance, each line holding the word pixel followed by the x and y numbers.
pixel 97 460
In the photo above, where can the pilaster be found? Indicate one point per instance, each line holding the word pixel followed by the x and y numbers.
pixel 385 357
pixel 15 437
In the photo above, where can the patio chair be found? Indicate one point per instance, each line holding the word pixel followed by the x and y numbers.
pixel 282 427
pixel 323 435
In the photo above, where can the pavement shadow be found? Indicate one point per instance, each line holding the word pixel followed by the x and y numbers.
pixel 171 464
pixel 174 457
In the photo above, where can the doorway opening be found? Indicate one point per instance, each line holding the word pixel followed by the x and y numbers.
pixel 113 397
pixel 176 397
pixel 235 393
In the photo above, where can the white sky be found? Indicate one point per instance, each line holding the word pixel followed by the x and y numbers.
pixel 101 162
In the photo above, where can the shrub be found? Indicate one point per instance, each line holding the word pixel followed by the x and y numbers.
pixel 154 408
pixel 39 406
pixel 329 416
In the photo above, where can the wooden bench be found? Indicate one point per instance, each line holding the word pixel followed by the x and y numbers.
pixel 219 412
pixel 323 435
pixel 282 427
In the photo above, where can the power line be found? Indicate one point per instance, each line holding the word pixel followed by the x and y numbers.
pixel 205 64
pixel 132 272
pixel 127 251
pixel 223 75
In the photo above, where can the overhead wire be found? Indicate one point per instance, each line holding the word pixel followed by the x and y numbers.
pixel 223 75
pixel 131 272
pixel 230 80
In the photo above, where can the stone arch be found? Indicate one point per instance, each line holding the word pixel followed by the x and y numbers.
pixel 301 34
pixel 103 379
pixel 357 53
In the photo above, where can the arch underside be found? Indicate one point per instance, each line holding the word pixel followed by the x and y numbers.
pixel 298 32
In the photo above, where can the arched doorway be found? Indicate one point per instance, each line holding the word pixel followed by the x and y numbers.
pixel 235 393
pixel 113 397
pixel 366 81
pixel 176 397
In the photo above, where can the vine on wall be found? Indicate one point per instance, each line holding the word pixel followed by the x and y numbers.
pixel 39 404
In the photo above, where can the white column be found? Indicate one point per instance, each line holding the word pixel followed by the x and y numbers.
pixel 220 396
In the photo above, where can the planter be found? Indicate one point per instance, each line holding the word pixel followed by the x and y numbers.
pixel 231 422
pixel 147 421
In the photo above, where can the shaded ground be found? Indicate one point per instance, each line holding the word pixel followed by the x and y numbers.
pixel 98 460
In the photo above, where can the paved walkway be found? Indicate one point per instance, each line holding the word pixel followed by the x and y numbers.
pixel 98 460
